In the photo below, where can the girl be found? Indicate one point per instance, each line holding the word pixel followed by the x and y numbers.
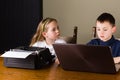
pixel 47 34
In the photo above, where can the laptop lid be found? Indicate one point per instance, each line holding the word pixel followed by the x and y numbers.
pixel 85 58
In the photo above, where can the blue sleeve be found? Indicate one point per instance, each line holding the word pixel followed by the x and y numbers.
pixel 116 49
pixel 93 42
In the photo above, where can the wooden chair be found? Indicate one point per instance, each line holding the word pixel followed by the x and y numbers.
pixel 94 35
pixel 71 39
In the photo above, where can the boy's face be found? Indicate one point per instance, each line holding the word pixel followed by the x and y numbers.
pixel 105 30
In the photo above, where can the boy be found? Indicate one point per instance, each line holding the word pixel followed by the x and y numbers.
pixel 105 27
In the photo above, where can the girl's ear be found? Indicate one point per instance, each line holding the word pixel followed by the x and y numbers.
pixel 114 29
pixel 44 34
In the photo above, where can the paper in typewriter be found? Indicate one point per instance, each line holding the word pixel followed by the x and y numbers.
pixel 16 54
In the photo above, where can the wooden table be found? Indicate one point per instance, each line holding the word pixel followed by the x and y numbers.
pixel 54 72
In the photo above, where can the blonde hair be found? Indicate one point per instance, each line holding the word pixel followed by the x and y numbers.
pixel 41 28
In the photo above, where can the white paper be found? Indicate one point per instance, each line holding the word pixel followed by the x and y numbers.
pixel 117 66
pixel 16 54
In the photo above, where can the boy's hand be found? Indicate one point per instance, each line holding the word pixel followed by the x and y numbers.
pixel 116 59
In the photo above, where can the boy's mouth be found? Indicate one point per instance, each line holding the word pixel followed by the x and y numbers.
pixel 102 36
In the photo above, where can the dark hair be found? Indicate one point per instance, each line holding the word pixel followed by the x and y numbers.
pixel 106 17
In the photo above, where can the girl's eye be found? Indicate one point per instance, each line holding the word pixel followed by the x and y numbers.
pixel 58 27
pixel 53 29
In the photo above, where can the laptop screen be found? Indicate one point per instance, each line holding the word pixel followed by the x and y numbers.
pixel 87 58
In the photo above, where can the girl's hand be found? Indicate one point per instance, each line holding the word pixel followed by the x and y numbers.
pixel 57 61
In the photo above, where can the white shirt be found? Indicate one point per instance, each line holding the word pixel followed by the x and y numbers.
pixel 45 45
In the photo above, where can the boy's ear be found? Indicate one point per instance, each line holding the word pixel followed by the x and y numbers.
pixel 114 29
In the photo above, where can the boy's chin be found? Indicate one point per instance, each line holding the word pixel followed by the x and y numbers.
pixel 104 40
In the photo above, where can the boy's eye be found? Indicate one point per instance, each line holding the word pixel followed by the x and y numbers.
pixel 98 29
pixel 105 29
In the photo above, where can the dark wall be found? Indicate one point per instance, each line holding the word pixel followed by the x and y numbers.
pixel 19 20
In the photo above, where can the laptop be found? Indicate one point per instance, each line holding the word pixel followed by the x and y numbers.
pixel 86 58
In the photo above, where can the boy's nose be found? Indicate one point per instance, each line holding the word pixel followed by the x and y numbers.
pixel 101 32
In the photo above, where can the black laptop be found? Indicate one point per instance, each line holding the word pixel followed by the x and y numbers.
pixel 86 58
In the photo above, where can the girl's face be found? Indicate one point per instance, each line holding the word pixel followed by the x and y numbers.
pixel 52 32
pixel 105 30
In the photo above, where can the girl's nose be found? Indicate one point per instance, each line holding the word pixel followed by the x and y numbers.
pixel 57 31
